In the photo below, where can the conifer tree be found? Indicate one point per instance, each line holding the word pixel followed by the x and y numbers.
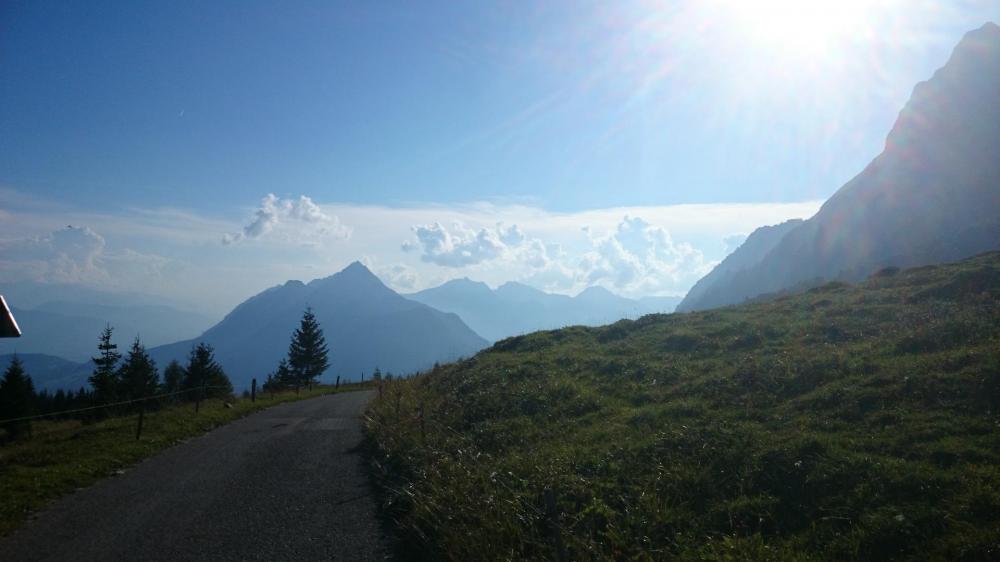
pixel 138 377
pixel 17 395
pixel 308 354
pixel 173 379
pixel 105 380
pixel 202 372
pixel 283 375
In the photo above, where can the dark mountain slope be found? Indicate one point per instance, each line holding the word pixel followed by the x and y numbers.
pixel 366 325
pixel 754 249
pixel 933 194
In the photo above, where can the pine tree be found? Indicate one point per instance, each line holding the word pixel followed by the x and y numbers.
pixel 173 379
pixel 283 375
pixel 308 354
pixel 17 395
pixel 204 373
pixel 105 380
pixel 377 375
pixel 138 377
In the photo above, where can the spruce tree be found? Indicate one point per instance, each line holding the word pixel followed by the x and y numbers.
pixel 283 375
pixel 204 376
pixel 17 395
pixel 105 380
pixel 138 377
pixel 308 354
pixel 173 378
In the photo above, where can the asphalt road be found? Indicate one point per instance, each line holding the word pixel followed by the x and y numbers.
pixel 286 483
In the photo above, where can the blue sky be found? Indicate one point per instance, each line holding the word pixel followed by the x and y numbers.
pixel 112 111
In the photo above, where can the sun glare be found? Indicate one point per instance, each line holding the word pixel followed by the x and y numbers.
pixel 802 27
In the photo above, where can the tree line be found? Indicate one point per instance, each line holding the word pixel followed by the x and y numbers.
pixel 134 376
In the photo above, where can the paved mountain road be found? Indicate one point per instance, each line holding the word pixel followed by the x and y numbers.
pixel 286 483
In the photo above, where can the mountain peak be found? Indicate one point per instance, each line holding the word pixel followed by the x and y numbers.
pixel 596 291
pixel 357 268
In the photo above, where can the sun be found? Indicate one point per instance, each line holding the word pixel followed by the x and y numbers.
pixel 801 27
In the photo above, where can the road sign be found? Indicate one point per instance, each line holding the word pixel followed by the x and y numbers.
pixel 8 326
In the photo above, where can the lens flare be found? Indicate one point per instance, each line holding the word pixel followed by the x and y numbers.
pixel 802 27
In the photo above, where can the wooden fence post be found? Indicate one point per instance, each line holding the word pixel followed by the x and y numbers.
pixel 253 390
pixel 338 382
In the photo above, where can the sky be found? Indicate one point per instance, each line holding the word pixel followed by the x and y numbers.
pixel 203 151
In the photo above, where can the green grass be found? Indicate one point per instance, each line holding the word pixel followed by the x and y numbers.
pixel 845 422
pixel 62 456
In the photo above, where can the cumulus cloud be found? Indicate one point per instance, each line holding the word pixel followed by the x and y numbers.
pixel 274 211
pixel 398 276
pixel 636 257
pixel 639 257
pixel 459 246
pixel 79 255
pixel 68 255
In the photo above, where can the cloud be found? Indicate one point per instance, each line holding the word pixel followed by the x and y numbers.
pixel 636 257
pixel 461 246
pixel 274 211
pixel 639 257
pixel 79 255
pixel 398 276
pixel 68 255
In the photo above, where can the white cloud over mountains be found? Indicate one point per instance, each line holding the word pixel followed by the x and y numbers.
pixel 642 258
pixel 67 255
pixel 460 246
pixel 273 212
pixel 175 253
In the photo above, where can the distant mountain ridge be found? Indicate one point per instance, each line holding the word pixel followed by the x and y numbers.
pixel 52 373
pixel 513 308
pixel 366 325
pixel 931 196
pixel 70 329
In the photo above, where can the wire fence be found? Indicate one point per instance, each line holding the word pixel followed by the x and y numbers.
pixel 110 405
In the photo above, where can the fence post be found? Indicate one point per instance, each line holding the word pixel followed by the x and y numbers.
pixel 197 401
pixel 253 390
pixel 138 429
pixel 551 520
pixel 338 382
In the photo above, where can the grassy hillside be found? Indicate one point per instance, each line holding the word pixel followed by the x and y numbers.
pixel 846 422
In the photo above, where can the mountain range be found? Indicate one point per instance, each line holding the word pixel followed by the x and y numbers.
pixel 513 308
pixel 70 329
pixel 931 196
pixel 366 325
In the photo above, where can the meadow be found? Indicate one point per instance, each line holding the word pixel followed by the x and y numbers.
pixel 843 422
